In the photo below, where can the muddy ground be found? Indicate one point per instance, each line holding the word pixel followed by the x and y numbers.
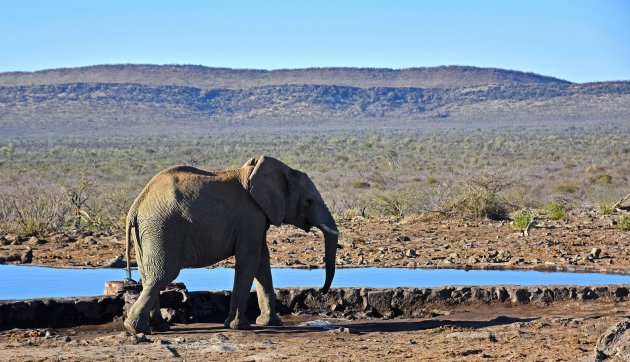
pixel 561 331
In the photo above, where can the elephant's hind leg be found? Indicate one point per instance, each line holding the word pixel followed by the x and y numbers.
pixel 138 318
pixel 156 321
pixel 144 314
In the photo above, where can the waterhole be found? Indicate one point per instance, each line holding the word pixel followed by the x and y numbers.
pixel 25 282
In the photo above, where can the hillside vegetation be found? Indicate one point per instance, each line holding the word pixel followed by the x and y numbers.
pixel 142 99
pixel 205 77
pixel 479 143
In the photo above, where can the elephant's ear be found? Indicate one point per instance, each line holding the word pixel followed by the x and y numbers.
pixel 268 187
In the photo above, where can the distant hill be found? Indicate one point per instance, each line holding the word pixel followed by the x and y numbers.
pixel 206 77
pixel 105 100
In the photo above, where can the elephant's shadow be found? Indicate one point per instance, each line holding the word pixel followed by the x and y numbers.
pixel 390 326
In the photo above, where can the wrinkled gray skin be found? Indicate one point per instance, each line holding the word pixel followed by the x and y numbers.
pixel 186 217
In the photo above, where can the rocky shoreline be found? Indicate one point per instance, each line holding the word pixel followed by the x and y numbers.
pixel 562 322
pixel 181 306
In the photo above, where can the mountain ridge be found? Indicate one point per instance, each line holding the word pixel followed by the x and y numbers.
pixel 210 77
pixel 116 101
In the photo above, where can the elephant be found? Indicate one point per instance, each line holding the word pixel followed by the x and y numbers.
pixel 186 217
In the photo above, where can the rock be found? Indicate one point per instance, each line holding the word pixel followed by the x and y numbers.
pixel 411 253
pixel 595 252
pixel 132 338
pixel 35 241
pixel 116 262
pixel 343 330
pixel 90 240
pixel 403 238
pixel 474 335
pixel 27 256
pixel 2 260
pixel 615 342
pixel 520 295
pixel 171 315
pixel 502 256
pixel 220 337
pixel 380 302
pixel 62 238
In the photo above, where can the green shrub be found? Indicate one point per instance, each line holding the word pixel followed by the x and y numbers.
pixel 602 179
pixel 567 187
pixel 360 184
pixel 520 222
pixel 430 181
pixel 624 223
pixel 484 197
pixel 38 210
pixel 605 208
pixel 394 202
pixel 555 210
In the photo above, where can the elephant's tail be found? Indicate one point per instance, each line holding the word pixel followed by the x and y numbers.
pixel 132 222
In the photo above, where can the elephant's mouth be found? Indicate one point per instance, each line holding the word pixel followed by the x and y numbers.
pixel 327 229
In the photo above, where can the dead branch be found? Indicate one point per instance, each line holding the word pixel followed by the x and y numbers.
pixel 530 225
pixel 617 205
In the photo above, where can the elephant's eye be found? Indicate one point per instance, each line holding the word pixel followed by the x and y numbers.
pixel 310 201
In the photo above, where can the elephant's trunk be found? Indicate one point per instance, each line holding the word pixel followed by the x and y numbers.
pixel 331 238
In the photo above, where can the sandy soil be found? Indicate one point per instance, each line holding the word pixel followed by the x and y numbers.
pixel 561 332
pixel 410 242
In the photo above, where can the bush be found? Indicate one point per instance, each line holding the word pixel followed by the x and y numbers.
pixel 624 223
pixel 483 197
pixel 394 203
pixel 520 221
pixel 360 184
pixel 605 208
pixel 555 210
pixel 567 187
pixel 602 179
pixel 37 211
pixel 430 181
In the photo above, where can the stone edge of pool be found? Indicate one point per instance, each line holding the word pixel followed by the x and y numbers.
pixel 182 306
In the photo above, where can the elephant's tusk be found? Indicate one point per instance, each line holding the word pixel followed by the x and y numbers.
pixel 329 230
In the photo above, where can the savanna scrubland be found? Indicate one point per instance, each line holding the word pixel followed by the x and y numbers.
pixel 439 167
pixel 413 197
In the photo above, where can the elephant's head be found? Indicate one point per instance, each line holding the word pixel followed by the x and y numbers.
pixel 289 196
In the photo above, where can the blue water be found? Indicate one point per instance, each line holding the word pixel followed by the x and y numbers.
pixel 23 282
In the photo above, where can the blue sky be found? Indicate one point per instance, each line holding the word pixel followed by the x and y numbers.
pixel 572 39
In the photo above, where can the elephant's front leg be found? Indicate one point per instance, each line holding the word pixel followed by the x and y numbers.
pixel 265 292
pixel 247 257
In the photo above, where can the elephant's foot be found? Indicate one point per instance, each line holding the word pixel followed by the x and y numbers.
pixel 237 324
pixel 269 320
pixel 163 326
pixel 136 328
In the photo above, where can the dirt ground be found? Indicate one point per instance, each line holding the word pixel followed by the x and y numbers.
pixel 561 332
pixel 587 242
